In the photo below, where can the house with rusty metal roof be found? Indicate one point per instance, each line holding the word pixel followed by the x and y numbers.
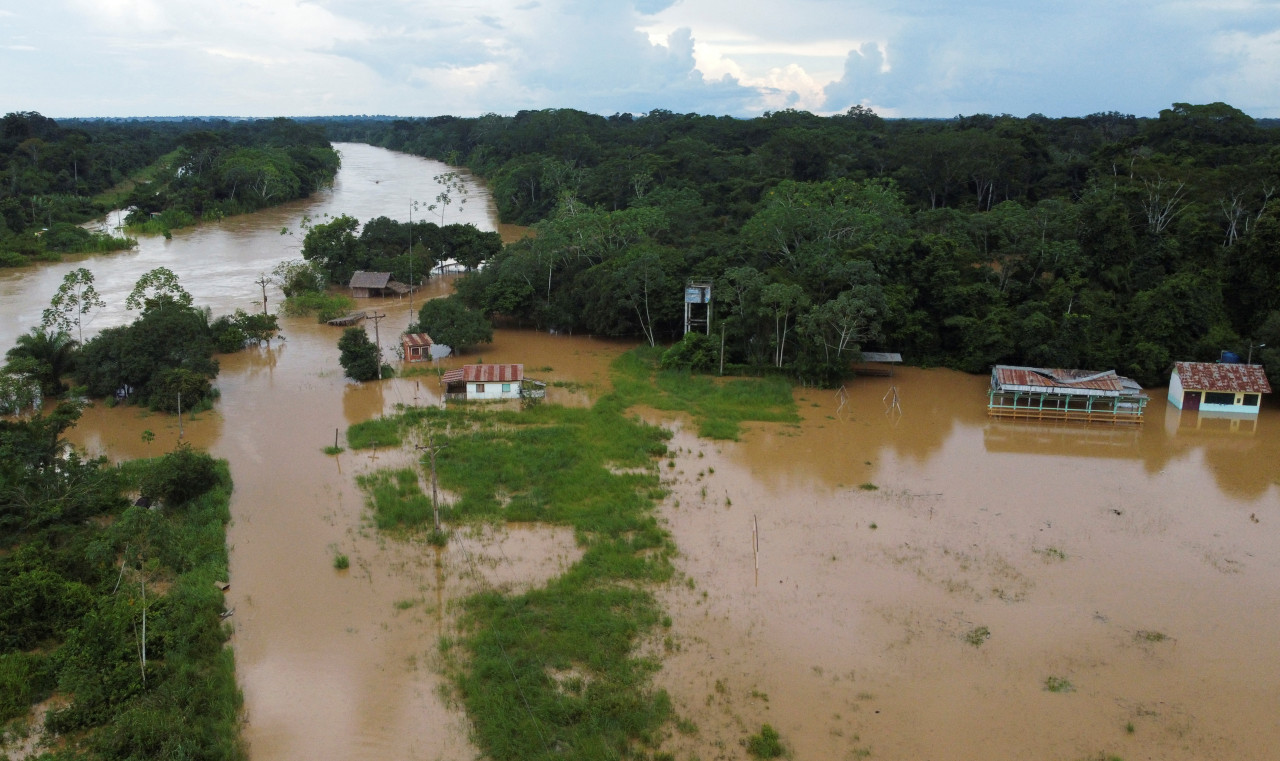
pixel 1087 396
pixel 416 347
pixel 1218 387
pixel 484 382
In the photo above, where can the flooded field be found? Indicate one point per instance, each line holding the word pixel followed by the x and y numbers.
pixel 922 575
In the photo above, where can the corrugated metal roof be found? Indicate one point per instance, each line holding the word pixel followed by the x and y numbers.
pixel 362 279
pixel 1215 376
pixel 416 339
pixel 881 356
pixel 1061 381
pixel 485 374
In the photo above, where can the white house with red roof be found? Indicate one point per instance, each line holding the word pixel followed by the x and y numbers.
pixel 479 382
pixel 1218 387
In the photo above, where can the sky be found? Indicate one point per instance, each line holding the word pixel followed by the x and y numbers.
pixel 901 58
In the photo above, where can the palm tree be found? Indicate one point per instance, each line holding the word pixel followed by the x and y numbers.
pixel 49 355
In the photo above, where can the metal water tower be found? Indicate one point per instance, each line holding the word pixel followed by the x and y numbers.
pixel 697 306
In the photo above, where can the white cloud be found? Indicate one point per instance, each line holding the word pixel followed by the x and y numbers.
pixel 919 58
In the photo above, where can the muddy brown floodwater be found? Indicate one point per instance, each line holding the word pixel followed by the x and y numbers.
pixel 920 574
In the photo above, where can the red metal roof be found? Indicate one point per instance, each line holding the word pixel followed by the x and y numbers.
pixel 1216 376
pixel 416 339
pixel 485 374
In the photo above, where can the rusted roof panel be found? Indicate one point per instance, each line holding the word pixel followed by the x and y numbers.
pixel 484 374
pixel 1061 381
pixel 416 339
pixel 1217 376
pixel 493 373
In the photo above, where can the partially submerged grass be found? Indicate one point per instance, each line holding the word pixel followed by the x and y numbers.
pixel 1058 684
pixel 977 635
pixel 552 672
pixel 719 406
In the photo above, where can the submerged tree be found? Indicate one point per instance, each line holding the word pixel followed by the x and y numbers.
pixel 76 297
pixel 360 358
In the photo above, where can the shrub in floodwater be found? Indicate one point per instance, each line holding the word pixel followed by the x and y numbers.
pixel 1058 684
pixel 767 744
pixel 977 636
pixel 341 562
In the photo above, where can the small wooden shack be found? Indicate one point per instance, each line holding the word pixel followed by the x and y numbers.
pixel 416 346
pixel 367 284
pixel 1087 396
pixel 481 382
pixel 1218 387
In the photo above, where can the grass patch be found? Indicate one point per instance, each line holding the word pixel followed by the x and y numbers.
pixel 719 406
pixel 766 744
pixel 1051 553
pixel 1151 636
pixel 868 487
pixel 341 562
pixel 325 306
pixel 594 470
pixel 977 635
pixel 1058 684
pixel 331 449
pixel 379 432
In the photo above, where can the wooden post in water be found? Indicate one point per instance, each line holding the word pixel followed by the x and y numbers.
pixel 755 542
pixel 335 438
pixel 431 449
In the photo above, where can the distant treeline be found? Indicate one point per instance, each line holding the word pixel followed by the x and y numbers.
pixel 54 175
pixel 1103 241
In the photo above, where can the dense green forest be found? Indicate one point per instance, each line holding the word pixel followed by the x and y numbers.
pixel 112 605
pixel 1104 241
pixel 54 176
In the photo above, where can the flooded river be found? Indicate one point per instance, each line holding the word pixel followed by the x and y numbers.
pixel 922 574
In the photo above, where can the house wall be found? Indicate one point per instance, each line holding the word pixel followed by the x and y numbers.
pixel 1237 407
pixel 1175 390
pixel 494 390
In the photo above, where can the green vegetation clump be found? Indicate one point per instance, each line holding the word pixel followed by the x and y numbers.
pixel 977 636
pixel 358 355
pixel 1058 684
pixel 325 306
pixel 766 744
pixel 720 406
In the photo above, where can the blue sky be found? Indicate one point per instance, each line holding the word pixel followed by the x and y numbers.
pixel 929 58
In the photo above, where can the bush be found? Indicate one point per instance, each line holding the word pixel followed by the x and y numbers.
pixel 696 352
pixel 767 744
pixel 359 358
pixel 180 476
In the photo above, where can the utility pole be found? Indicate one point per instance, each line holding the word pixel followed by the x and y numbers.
pixel 179 414
pixel 263 281
pixel 1252 346
pixel 377 338
pixel 431 450
pixel 410 260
